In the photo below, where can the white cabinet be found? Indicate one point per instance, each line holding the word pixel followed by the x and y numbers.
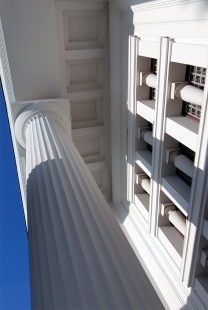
pixel 167 142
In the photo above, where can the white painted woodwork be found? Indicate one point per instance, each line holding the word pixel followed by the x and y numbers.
pixel 148 137
pixel 84 75
pixel 177 191
pixel 190 54
pixel 170 262
pixel 172 241
pixel 183 163
pixel 84 95
pixel 86 113
pixel 84 54
pixel 84 29
pixel 190 94
pixel 150 80
pixel 8 90
pixel 79 257
pixel 144 160
pixel 146 185
pixel 84 61
pixel 156 18
pixel 169 128
pixel 157 155
pixel 177 220
pixel 131 117
pixel 148 49
pixel 183 130
pixel 142 203
pixel 146 109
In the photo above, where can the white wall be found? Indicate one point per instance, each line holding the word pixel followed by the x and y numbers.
pixel 35 68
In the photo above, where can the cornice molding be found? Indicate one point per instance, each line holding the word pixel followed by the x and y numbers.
pixel 5 66
pixel 178 21
pixel 8 91
pixel 160 4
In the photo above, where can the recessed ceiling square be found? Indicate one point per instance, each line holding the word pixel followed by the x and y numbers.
pixel 84 75
pixel 84 29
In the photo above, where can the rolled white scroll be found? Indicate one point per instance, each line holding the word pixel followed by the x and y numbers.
pixel 145 183
pixel 148 137
pixel 190 94
pixel 184 164
pixel 176 218
pixel 150 80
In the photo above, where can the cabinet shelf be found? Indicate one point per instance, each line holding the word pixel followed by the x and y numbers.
pixel 146 109
pixel 144 160
pixel 177 191
pixel 184 130
pixel 165 127
pixel 201 287
pixel 172 241
pixel 142 204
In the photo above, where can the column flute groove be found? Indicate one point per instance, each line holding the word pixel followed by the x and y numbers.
pixel 45 195
pixel 79 257
pixel 82 228
pixel 104 231
pixel 40 198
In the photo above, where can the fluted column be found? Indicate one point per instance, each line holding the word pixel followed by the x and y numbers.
pixel 79 257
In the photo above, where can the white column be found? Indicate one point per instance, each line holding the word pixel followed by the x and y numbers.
pixel 79 257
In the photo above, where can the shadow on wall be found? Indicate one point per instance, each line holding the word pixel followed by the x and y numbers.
pixel 189 303
pixel 168 172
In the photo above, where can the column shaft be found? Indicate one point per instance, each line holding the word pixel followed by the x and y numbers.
pixel 79 257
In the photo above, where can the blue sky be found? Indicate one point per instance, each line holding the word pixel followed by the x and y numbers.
pixel 14 266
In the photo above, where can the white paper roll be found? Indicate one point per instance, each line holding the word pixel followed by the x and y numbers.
pixel 176 218
pixel 148 137
pixel 150 80
pixel 146 185
pixel 184 164
pixel 192 94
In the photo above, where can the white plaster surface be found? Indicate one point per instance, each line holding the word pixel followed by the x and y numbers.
pixel 31 40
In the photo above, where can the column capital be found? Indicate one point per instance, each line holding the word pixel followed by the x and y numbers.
pixel 37 109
